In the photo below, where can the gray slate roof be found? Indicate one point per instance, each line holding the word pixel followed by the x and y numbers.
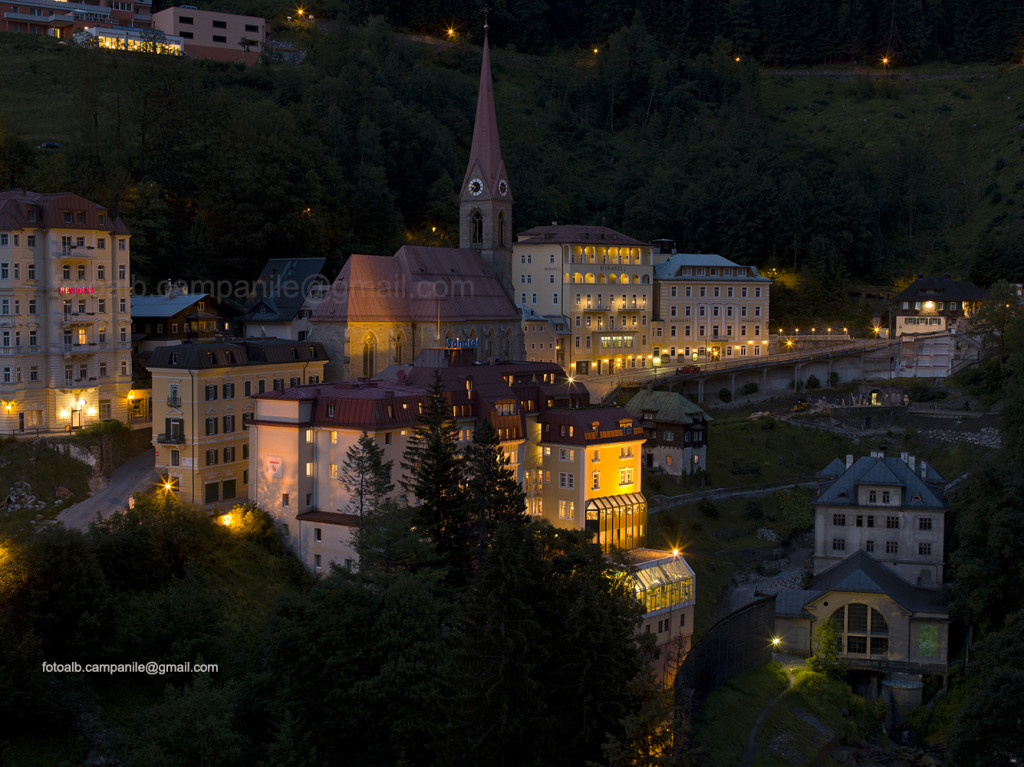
pixel 669 407
pixel 894 472
pixel 161 305
pixel 671 268
pixel 862 573
pixel 282 288
pixel 250 351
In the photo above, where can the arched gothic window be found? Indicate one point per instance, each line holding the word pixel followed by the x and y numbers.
pixel 861 629
pixel 476 227
pixel 369 356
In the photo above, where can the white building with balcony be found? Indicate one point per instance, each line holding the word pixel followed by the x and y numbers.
pixel 65 313
pixel 601 281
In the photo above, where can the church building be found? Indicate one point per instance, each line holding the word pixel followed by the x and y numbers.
pixel 384 310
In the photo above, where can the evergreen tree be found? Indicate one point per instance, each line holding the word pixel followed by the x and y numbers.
pixel 434 478
pixel 366 476
pixel 493 495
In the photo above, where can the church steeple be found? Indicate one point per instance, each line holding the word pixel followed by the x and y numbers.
pixel 485 201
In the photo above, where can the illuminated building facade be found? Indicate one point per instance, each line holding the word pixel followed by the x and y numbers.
pixel 131 39
pixel 202 408
pixel 601 281
pixel 65 313
pixel 579 466
pixel 709 308
pixel 936 305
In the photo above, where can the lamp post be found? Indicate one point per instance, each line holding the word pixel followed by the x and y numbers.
pixel 657 365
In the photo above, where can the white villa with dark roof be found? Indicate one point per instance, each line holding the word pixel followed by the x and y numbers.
pixel 891 508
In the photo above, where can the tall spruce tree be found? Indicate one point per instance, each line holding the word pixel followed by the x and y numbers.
pixel 366 476
pixel 493 495
pixel 434 478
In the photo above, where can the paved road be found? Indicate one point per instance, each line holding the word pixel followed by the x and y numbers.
pixel 138 473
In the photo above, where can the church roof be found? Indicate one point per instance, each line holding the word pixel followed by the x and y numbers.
pixel 485 152
pixel 417 284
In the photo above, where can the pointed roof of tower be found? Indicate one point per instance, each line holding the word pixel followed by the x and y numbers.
pixel 485 152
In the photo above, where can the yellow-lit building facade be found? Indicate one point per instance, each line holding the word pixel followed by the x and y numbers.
pixel 709 309
pixel 601 281
pixel 65 313
pixel 203 409
pixel 583 473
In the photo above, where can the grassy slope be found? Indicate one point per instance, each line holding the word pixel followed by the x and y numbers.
pixel 727 716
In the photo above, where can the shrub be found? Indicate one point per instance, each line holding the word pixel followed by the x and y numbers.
pixel 725 395
pixel 708 508
pixel 813 382
pixel 750 388
pixel 753 510
pixel 833 379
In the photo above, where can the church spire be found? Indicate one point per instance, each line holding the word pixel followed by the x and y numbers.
pixel 485 200
pixel 485 153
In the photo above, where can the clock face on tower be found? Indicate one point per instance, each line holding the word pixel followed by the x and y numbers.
pixel 476 187
pixel 503 188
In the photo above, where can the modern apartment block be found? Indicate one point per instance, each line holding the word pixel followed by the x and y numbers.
pixel 579 465
pixel 203 407
pixel 601 281
pixel 710 309
pixel 214 34
pixel 65 313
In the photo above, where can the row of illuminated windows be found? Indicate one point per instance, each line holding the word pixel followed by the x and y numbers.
pixel 922 320
pixel 589 321
pixel 716 310
pixel 924 549
pixel 625 477
pixel 588 302
pixel 666 595
pixel 688 331
pixel 533 298
pixel 892 521
pixel 702 291
pixel 939 306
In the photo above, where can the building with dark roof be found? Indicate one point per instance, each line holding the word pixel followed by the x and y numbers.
pixel 709 308
pixel 936 305
pixel 175 316
pixel 677 431
pixel 284 297
pixel 883 622
pixel 892 508
pixel 65 298
pixel 202 407
pixel 385 310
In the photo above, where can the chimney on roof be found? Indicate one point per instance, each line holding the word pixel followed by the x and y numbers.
pixel 924 469
pixel 912 462
pixel 849 460
pixel 554 223
pixel 904 456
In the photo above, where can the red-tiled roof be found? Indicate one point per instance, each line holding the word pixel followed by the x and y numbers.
pixel 608 420
pixel 329 518
pixel 417 284
pixel 50 208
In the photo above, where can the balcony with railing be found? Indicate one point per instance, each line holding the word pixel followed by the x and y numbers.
pixel 173 438
pixel 174 400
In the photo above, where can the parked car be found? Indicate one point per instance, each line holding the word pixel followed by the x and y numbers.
pixel 49 145
pixel 689 369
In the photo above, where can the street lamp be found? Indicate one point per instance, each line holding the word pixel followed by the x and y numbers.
pixel 657 364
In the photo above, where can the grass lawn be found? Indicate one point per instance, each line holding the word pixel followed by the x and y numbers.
pixel 726 718
pixel 815 714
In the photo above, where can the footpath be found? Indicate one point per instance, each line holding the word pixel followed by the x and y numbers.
pixel 137 474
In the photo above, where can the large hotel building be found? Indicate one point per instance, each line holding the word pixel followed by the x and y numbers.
pixel 65 313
